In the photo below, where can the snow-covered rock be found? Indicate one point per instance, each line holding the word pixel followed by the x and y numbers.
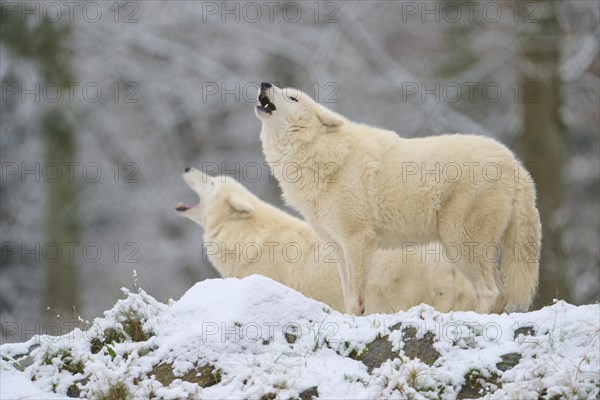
pixel 255 338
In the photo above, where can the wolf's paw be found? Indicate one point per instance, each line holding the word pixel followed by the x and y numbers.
pixel 500 303
pixel 357 309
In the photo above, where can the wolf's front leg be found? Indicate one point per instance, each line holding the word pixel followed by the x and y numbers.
pixel 338 255
pixel 357 253
pixel 343 269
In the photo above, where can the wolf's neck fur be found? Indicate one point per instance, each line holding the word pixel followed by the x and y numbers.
pixel 270 232
pixel 300 167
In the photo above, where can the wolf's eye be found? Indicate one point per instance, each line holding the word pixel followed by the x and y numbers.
pixel 295 100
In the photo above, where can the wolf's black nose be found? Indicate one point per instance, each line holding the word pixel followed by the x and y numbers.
pixel 265 85
pixel 187 169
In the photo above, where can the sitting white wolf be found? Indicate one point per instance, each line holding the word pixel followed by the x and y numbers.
pixel 244 235
pixel 364 188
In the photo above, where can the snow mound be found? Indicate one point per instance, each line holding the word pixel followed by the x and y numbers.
pixel 255 338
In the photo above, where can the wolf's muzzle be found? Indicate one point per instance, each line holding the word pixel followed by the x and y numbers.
pixel 266 105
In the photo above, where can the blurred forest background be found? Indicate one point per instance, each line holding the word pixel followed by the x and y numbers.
pixel 104 103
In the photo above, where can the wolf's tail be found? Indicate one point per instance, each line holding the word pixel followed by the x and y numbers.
pixel 521 245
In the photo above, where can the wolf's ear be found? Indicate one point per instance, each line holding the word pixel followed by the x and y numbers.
pixel 329 119
pixel 240 205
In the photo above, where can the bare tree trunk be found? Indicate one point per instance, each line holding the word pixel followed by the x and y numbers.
pixel 42 42
pixel 543 139
pixel 62 278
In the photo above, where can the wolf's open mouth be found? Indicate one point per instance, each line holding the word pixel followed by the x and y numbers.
pixel 183 207
pixel 265 104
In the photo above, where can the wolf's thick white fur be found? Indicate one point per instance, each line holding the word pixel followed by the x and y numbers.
pixel 364 187
pixel 244 235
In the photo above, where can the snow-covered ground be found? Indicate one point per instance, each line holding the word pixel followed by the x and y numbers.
pixel 255 338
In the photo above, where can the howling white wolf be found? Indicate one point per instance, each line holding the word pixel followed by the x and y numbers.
pixel 244 235
pixel 364 187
